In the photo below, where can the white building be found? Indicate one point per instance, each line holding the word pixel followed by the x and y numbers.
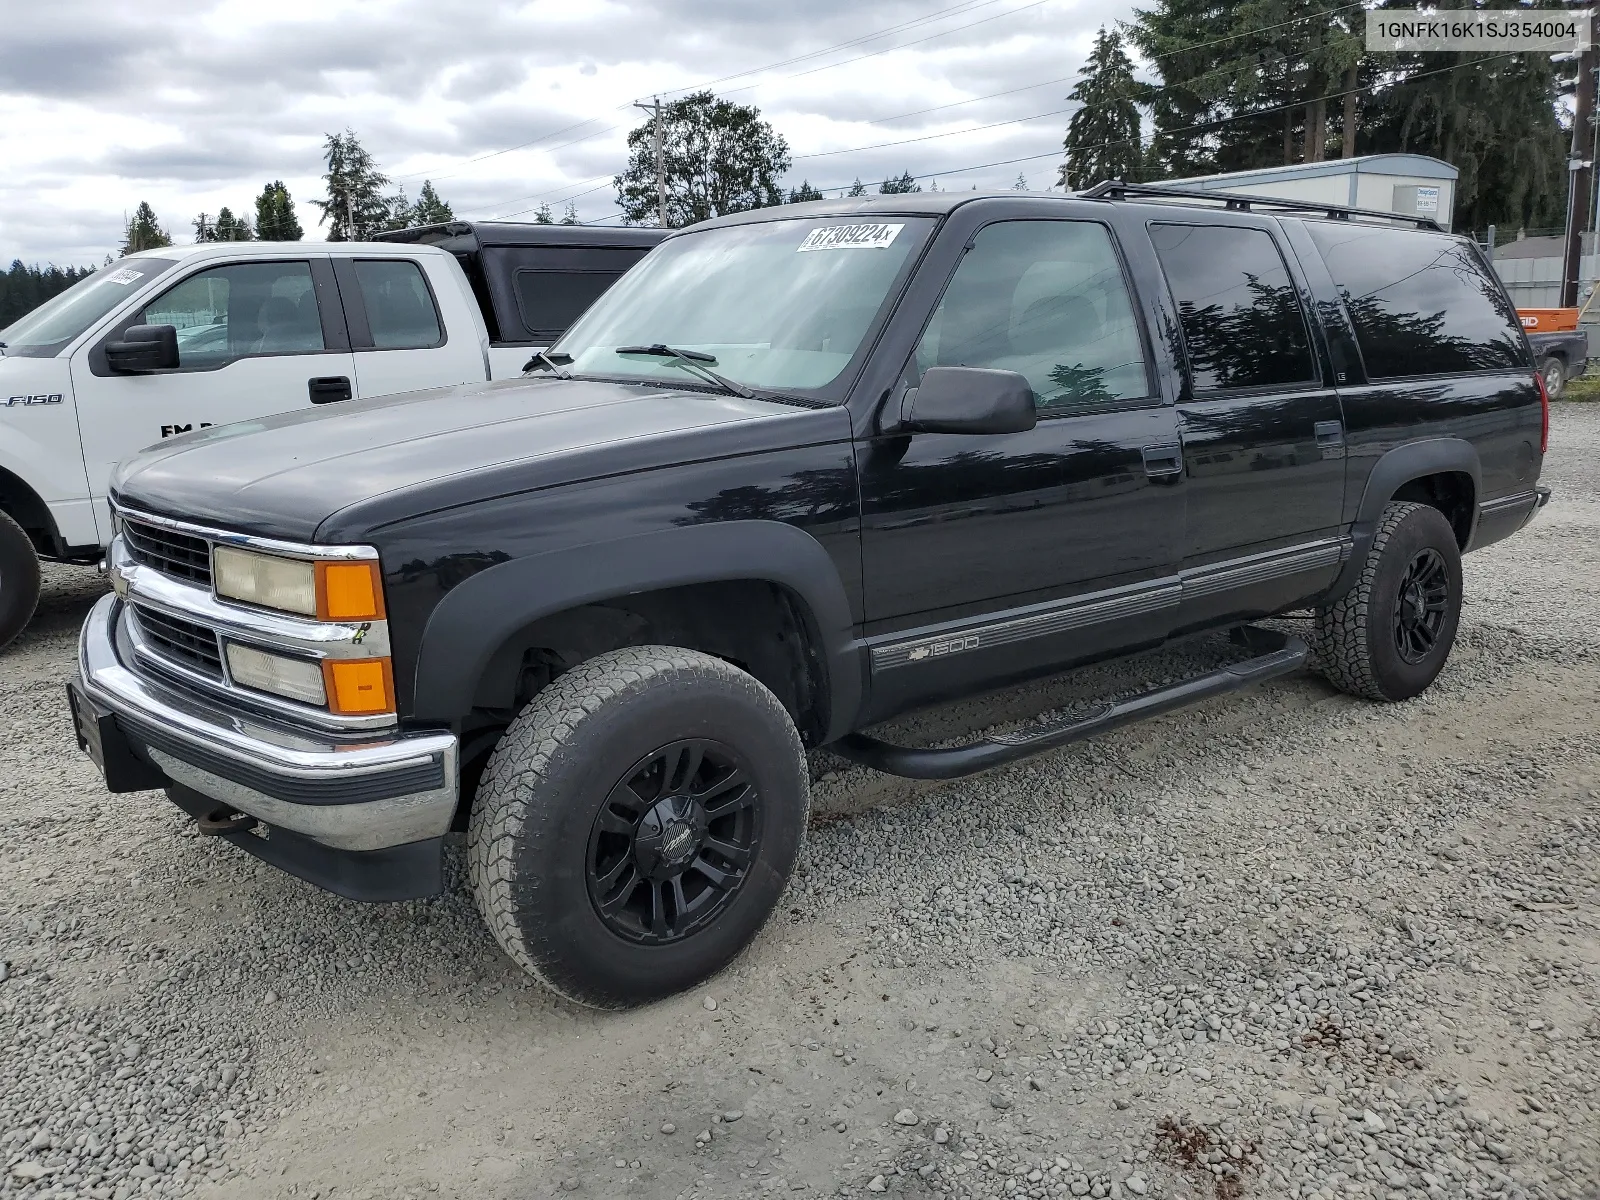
pixel 1412 184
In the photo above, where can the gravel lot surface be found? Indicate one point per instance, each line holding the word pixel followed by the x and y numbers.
pixel 1286 944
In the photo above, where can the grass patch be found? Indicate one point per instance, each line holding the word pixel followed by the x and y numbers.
pixel 1585 388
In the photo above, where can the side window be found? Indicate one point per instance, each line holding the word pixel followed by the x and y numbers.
pixel 1421 303
pixel 400 309
pixel 1048 300
pixel 240 310
pixel 1242 322
pixel 550 301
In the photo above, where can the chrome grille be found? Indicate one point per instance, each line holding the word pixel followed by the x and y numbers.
pixel 180 555
pixel 186 643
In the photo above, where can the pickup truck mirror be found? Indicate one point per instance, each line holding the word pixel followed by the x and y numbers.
pixel 969 400
pixel 144 348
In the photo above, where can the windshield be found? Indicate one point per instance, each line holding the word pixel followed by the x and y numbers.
pixel 784 304
pixel 58 320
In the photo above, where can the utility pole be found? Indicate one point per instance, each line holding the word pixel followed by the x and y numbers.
pixel 349 219
pixel 1580 162
pixel 661 166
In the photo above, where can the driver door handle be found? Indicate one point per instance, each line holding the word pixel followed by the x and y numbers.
pixel 326 389
pixel 1163 462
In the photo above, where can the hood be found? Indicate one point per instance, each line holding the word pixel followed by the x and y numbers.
pixel 371 462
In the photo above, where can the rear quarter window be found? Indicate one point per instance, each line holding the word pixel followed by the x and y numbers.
pixel 1421 303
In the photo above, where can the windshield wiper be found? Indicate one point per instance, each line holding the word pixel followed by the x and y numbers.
pixel 695 360
pixel 553 361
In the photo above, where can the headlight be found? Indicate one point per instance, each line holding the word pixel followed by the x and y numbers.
pixel 329 591
pixel 287 584
pixel 295 678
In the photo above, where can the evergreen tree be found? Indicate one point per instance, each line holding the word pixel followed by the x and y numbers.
pixel 355 207
pixel 857 188
pixel 144 231
pixel 1103 137
pixel 803 193
pixel 1021 185
pixel 543 216
pixel 430 210
pixel 275 219
pixel 899 185
pixel 23 288
pixel 570 217
pixel 226 228
pixel 719 158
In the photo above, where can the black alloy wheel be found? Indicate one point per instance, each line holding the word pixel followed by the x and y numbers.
pixel 673 842
pixel 1421 607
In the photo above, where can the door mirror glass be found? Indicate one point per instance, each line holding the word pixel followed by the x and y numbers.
pixel 144 348
pixel 970 400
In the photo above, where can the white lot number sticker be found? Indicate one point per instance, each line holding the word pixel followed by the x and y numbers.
pixel 851 237
pixel 124 277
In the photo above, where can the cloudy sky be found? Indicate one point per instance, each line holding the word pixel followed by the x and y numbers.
pixel 194 104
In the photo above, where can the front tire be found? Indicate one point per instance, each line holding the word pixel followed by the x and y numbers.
pixel 1390 635
pixel 19 580
pixel 637 823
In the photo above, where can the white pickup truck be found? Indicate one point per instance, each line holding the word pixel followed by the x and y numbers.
pixel 173 340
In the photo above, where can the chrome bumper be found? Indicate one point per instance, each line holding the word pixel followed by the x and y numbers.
pixel 368 794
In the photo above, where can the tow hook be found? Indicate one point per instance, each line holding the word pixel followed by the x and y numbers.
pixel 224 820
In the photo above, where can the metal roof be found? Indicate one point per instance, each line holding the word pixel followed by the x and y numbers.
pixel 1418 166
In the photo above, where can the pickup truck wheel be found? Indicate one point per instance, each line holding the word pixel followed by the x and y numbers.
pixel 19 580
pixel 1388 637
pixel 1555 376
pixel 637 823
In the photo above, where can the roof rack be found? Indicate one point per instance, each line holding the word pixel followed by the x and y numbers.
pixel 1115 189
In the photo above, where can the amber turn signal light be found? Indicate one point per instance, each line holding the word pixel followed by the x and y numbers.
pixel 359 687
pixel 349 591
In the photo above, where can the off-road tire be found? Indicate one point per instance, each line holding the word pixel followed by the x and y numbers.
pixel 529 832
pixel 1554 371
pixel 19 580
pixel 1354 641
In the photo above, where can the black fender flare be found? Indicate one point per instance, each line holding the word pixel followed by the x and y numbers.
pixel 1395 469
pixel 476 618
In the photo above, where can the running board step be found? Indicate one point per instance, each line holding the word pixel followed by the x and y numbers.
pixel 1285 656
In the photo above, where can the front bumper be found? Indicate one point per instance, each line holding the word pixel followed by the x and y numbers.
pixel 384 800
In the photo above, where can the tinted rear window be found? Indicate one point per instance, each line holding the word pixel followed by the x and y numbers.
pixel 399 306
pixel 1242 322
pixel 1421 303
pixel 550 301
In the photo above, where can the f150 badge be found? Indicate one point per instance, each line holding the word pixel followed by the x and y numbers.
pixel 30 401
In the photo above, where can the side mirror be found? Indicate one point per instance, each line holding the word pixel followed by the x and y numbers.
pixel 144 348
pixel 969 400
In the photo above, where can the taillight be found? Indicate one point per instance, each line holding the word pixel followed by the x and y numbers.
pixel 1544 412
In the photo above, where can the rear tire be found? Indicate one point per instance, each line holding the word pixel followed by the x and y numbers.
pixel 1390 635
pixel 19 580
pixel 637 823
pixel 1554 372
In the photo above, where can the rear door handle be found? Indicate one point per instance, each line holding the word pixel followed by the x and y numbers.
pixel 326 389
pixel 1163 462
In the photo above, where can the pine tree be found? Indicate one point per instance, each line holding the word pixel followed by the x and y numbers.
pixel 570 217
pixel 144 231
pixel 23 288
pixel 857 188
pixel 1103 137
pixel 430 210
pixel 226 228
pixel 899 185
pixel 275 219
pixel 543 216
pixel 1021 185
pixel 355 207
pixel 803 193
pixel 719 157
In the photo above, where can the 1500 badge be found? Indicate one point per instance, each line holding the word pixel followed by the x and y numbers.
pixel 30 401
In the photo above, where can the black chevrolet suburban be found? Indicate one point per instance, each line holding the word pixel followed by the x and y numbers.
pixel 802 469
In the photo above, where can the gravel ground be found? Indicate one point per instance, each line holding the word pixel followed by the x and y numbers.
pixel 1286 944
